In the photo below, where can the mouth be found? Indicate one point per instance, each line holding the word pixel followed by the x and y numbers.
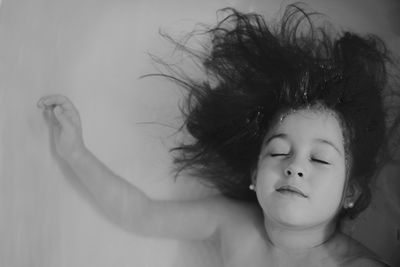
pixel 287 189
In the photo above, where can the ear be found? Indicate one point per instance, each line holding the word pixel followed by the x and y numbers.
pixel 352 193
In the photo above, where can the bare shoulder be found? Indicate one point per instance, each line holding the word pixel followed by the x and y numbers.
pixel 366 262
pixel 242 233
pixel 357 255
pixel 239 213
pixel 235 217
pixel 198 219
pixel 234 213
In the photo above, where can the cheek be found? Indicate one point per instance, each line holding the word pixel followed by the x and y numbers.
pixel 266 173
pixel 266 179
pixel 330 188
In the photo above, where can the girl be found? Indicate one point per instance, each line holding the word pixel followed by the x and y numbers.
pixel 290 127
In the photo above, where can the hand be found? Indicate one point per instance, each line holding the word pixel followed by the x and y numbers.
pixel 65 125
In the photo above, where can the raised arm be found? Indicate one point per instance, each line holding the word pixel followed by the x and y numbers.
pixel 121 201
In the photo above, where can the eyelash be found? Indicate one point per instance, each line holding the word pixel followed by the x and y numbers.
pixel 320 161
pixel 312 159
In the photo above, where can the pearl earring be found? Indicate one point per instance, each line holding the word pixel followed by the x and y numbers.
pixel 350 205
pixel 252 187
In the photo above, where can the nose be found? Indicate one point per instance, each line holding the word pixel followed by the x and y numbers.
pixel 294 169
pixel 290 172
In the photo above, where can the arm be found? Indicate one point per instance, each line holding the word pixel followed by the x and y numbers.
pixel 133 210
pixel 120 200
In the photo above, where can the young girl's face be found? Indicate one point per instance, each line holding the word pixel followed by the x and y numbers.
pixel 301 170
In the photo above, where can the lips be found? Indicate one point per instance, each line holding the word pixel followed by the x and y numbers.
pixel 291 189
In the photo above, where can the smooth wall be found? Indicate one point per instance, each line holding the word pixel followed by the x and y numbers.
pixel 94 52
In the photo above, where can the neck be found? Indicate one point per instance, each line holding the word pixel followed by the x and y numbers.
pixel 298 240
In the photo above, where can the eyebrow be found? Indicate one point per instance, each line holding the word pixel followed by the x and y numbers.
pixel 318 140
pixel 324 141
pixel 280 135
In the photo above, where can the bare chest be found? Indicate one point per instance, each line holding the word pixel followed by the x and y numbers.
pixel 258 258
pixel 252 250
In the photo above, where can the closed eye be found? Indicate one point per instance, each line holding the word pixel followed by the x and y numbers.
pixel 278 155
pixel 320 161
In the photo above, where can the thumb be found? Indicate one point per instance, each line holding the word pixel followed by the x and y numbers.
pixel 59 114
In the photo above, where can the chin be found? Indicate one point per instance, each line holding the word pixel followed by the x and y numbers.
pixel 291 220
pixel 298 219
pixel 294 216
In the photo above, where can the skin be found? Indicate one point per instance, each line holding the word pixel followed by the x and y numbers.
pixel 305 151
pixel 289 230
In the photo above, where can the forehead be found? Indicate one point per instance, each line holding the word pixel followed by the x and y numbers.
pixel 309 124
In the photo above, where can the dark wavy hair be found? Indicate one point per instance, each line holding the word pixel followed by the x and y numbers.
pixel 257 71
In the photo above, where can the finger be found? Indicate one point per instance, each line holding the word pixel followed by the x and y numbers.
pixel 40 103
pixel 50 102
pixel 59 114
